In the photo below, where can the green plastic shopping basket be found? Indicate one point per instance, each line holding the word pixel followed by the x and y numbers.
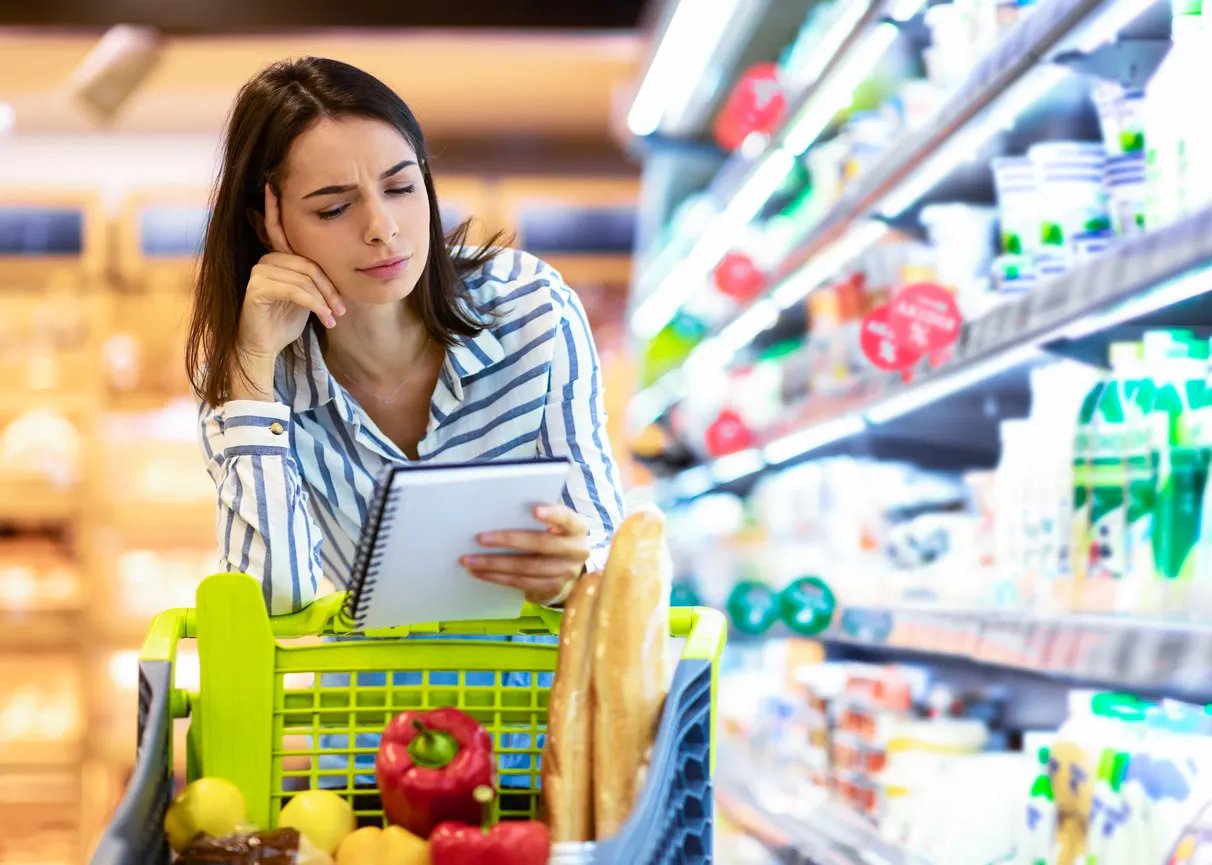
pixel 262 704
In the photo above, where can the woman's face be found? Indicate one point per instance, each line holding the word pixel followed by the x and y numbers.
pixel 353 201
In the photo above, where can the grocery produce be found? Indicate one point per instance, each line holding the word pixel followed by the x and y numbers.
pixel 394 845
pixel 276 847
pixel 211 806
pixel 428 768
pixel 324 817
pixel 511 842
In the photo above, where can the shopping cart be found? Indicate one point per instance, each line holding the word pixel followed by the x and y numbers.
pixel 262 702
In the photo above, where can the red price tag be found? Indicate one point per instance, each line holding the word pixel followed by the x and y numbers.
pixel 738 277
pixel 881 345
pixel 757 103
pixel 925 318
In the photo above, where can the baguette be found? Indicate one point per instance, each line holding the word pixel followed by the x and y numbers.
pixel 630 676
pixel 567 769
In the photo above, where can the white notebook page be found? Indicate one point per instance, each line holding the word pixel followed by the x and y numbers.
pixel 437 513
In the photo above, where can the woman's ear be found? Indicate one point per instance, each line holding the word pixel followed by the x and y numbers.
pixel 257 220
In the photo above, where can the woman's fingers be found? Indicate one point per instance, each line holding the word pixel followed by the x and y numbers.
pixel 273 223
pixel 300 296
pixel 537 589
pixel 542 543
pixel 563 519
pixel 312 272
pixel 522 566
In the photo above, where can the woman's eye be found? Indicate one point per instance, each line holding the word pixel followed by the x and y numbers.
pixel 332 214
pixel 403 190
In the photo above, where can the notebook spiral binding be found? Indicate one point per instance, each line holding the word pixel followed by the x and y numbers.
pixel 369 557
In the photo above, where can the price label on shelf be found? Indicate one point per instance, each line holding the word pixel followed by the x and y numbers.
pixel 924 316
pixel 880 344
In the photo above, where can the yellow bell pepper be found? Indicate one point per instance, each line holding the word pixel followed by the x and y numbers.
pixel 394 845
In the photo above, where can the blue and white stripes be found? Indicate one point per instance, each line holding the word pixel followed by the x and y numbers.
pixel 295 476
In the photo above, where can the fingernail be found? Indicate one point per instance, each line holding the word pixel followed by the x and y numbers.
pixel 340 308
pixel 542 512
pixel 472 561
pixel 489 538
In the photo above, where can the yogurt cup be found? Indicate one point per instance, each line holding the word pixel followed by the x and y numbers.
pixel 1071 177
pixel 1015 183
pixel 1120 117
pixel 1048 266
pixel 1091 244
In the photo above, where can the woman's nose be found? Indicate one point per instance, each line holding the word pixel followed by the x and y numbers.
pixel 380 227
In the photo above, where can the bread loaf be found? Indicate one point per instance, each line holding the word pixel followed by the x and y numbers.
pixel 630 676
pixel 567 770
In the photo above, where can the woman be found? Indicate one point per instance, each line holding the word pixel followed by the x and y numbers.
pixel 336 329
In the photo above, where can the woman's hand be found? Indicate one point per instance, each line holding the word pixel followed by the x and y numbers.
pixel 283 290
pixel 545 563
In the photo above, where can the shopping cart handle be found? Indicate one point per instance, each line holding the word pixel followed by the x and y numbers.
pixel 327 616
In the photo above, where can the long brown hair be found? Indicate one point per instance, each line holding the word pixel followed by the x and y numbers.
pixel 271 111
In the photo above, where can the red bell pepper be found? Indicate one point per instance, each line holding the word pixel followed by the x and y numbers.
pixel 510 842
pixel 429 766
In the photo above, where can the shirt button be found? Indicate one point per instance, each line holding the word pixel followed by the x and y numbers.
pixel 277 428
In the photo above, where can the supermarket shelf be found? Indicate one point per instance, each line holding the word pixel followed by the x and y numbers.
pixel 1157 658
pixel 714 52
pixel 26 501
pixel 745 180
pixel 1160 278
pixel 1016 75
pixel 800 828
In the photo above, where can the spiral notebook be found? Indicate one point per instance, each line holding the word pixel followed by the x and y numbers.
pixel 423 519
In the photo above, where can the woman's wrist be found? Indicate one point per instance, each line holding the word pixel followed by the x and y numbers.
pixel 559 599
pixel 252 378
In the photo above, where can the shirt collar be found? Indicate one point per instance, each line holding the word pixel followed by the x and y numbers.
pixel 314 387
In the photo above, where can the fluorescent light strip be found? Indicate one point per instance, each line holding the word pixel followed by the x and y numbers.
pixel 837 91
pixel 681 58
pixel 821 56
pixel 1166 294
pixel 965 144
pixel 860 237
pixel 920 395
pixel 693 482
pixel 733 467
pixel 680 284
pixel 653 401
pixel 816 436
pixel 762 316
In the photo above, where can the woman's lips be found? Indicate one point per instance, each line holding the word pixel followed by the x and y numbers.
pixel 389 268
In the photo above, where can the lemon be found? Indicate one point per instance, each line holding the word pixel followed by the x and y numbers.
pixel 363 847
pixel 214 806
pixel 323 816
pixel 400 845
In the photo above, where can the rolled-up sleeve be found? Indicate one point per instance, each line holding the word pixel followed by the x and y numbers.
pixel 574 426
pixel 264 525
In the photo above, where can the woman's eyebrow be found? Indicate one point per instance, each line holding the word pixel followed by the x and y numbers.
pixel 337 190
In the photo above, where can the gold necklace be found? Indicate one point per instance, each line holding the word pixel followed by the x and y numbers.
pixel 385 400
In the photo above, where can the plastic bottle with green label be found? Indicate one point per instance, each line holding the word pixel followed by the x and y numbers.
pixel 1081 522
pixel 1168 117
pixel 1182 459
pixel 1112 478
pixel 1040 818
pixel 1140 475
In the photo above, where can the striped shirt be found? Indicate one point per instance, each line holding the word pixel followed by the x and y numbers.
pixel 295 476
